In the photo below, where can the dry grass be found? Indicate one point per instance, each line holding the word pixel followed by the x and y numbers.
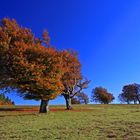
pixel 85 122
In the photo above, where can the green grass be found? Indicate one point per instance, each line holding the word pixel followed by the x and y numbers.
pixel 98 122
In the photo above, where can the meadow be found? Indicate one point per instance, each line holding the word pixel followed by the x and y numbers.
pixel 84 122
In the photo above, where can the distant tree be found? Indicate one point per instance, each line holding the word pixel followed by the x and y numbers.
pixel 137 92
pixel 75 101
pixel 101 95
pixel 5 100
pixel 82 98
pixel 130 93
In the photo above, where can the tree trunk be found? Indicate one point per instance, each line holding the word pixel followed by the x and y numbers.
pixel 68 101
pixel 135 102
pixel 128 102
pixel 44 108
pixel 138 99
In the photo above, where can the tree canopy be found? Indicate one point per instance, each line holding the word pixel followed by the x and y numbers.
pixel 82 98
pixel 101 95
pixel 130 92
pixel 32 66
pixel 5 100
pixel 72 79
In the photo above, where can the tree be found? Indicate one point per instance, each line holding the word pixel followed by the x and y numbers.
pixel 5 100
pixel 137 92
pixel 130 93
pixel 28 66
pixel 46 84
pixel 101 95
pixel 75 101
pixel 71 92
pixel 82 98
pixel 72 79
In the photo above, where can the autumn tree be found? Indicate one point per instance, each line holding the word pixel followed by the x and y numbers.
pixel 130 93
pixel 101 95
pixel 5 100
pixel 72 79
pixel 137 92
pixel 82 98
pixel 28 64
pixel 75 101
pixel 47 83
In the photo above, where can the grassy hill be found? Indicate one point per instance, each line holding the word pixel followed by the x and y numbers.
pixel 84 122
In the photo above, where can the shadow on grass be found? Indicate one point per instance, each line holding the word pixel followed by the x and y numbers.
pixel 10 115
pixel 4 112
pixel 21 111
pixel 11 109
pixel 18 109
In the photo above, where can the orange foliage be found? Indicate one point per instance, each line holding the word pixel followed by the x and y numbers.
pixel 28 66
pixel 101 95
pixel 72 74
pixel 6 103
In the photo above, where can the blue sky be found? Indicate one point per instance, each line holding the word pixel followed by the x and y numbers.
pixel 106 34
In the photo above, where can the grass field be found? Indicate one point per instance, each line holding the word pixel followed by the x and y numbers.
pixel 84 122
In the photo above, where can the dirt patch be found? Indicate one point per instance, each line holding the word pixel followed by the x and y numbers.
pixel 72 110
pixel 36 109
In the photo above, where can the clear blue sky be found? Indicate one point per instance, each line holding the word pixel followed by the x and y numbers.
pixel 106 33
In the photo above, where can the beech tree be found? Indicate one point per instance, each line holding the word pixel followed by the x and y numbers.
pixel 72 79
pixel 34 68
pixel 5 100
pixel 137 92
pixel 75 101
pixel 101 95
pixel 130 93
pixel 82 98
pixel 31 67
pixel 71 92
